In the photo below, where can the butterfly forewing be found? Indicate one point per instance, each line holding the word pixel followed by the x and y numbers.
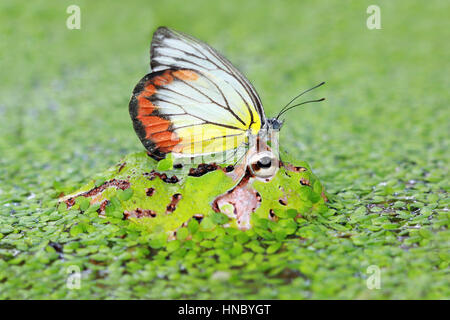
pixel 174 49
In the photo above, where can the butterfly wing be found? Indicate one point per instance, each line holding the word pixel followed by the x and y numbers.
pixel 194 102
pixel 190 113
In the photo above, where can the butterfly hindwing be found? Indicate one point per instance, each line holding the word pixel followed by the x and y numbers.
pixel 174 49
pixel 190 113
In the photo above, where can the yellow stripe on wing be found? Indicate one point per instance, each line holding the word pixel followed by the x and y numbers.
pixel 208 138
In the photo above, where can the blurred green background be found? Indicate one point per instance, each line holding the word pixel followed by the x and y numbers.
pixel 379 142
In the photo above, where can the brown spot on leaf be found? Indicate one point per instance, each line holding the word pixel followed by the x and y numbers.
pixel 122 165
pixel 292 168
pixel 152 175
pixel 149 191
pixel 70 202
pixel 185 224
pixel 103 206
pixel 202 168
pixel 173 204
pixel 272 215
pixel 139 213
pixel 119 184
pixel 305 182
pixel 198 217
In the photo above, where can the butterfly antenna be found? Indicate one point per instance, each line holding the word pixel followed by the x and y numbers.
pixel 296 105
pixel 298 96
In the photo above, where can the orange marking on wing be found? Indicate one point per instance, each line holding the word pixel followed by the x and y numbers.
pixel 160 137
pixel 168 146
pixel 163 79
pixel 156 127
pixel 165 141
pixel 185 75
pixel 149 89
pixel 168 143
pixel 145 106
pixel 152 124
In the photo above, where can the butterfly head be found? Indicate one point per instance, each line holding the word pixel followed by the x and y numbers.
pixel 263 161
pixel 274 124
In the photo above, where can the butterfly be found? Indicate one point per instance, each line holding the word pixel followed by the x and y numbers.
pixel 195 102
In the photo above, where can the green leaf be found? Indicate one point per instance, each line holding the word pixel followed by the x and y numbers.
pixel 390 226
pixel 242 237
pixel 126 194
pixel 99 182
pixel 156 243
pixel 173 245
pixel 182 233
pixel 207 223
pixel 193 226
pixel 426 233
pixel 76 230
pixel 291 213
pixel 83 203
pixel 165 164
pixel 273 247
pixel 219 218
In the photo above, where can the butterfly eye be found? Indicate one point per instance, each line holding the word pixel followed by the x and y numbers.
pixel 263 164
